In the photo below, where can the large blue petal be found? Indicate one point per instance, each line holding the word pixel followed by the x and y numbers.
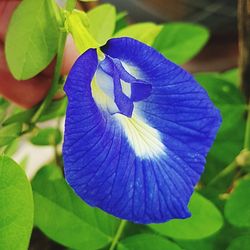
pixel 178 106
pixel 100 163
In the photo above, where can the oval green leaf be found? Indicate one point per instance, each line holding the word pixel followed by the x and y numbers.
pixel 102 20
pixel 240 243
pixel 21 117
pixel 57 108
pixel 65 218
pixel 16 206
pixel 147 242
pixel 9 132
pixel 237 208
pixel 32 38
pixel 206 220
pixel 232 76
pixel 230 138
pixel 3 108
pixel 144 32
pixel 47 136
pixel 180 42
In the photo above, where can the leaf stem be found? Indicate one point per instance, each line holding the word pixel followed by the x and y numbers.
pixel 59 59
pixel 118 234
pixel 227 170
pixel 56 77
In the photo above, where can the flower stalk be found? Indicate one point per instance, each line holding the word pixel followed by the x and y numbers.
pixel 59 60
pixel 118 234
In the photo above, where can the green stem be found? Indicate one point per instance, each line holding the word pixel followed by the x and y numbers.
pixel 227 170
pixel 55 146
pixel 55 80
pixel 61 44
pixel 118 234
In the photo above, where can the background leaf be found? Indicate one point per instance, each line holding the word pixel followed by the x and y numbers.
pixel 57 108
pixel 102 21
pixel 9 133
pixel 240 243
pixel 65 218
pixel 230 138
pixel 147 242
pixel 237 209
pixel 20 117
pixel 31 40
pixel 47 136
pixel 3 108
pixel 16 206
pixel 232 76
pixel 180 42
pixel 121 21
pixel 144 32
pixel 206 220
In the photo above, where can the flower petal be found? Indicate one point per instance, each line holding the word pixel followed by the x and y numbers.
pixel 178 106
pixel 143 168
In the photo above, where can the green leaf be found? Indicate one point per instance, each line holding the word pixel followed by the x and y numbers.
pixel 102 21
pixel 24 162
pixel 147 242
pixel 121 21
pixel 21 117
pixel 47 172
pixel 219 241
pixel 9 133
pixel 180 42
pixel 16 206
pixel 206 220
pixel 31 40
pixel 3 108
pixel 230 138
pixel 232 76
pixel 12 148
pixel 65 218
pixel 144 32
pixel 56 109
pixel 237 208
pixel 240 243
pixel 203 244
pixel 47 136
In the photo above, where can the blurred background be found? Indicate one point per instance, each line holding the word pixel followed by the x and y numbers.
pixel 220 16
pixel 220 53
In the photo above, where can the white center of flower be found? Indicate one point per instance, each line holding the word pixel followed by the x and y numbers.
pixel 145 140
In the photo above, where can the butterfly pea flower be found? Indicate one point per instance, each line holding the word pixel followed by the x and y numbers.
pixel 138 129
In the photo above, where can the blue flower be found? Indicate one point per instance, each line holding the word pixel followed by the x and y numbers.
pixel 138 129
